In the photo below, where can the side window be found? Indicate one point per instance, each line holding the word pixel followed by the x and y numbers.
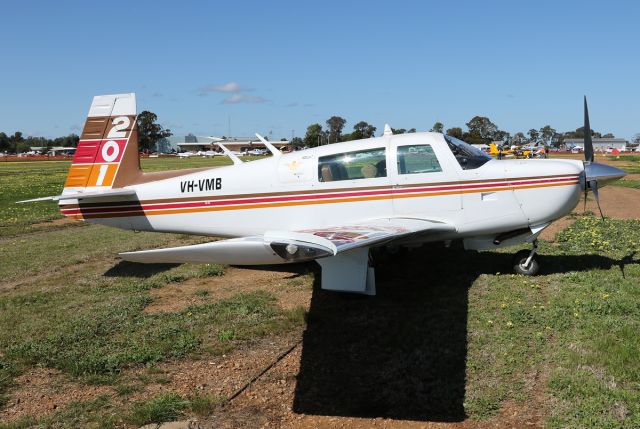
pixel 417 159
pixel 362 164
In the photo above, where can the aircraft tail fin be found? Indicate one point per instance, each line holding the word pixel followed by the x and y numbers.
pixel 493 149
pixel 107 153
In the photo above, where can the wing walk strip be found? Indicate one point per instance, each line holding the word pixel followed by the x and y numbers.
pixel 231 202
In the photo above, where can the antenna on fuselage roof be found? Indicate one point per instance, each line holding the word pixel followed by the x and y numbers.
pixel 387 130
pixel 234 158
pixel 274 150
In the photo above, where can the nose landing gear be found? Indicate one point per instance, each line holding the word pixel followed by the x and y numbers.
pixel 524 262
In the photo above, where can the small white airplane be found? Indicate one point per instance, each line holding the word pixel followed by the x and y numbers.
pixel 186 154
pixel 257 152
pixel 207 153
pixel 331 203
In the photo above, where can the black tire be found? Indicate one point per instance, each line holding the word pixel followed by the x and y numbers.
pixel 518 264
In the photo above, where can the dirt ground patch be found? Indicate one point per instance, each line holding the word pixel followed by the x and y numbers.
pixel 284 282
pixel 616 202
pixel 267 403
pixel 56 271
pixel 53 223
pixel 41 391
pixel 219 375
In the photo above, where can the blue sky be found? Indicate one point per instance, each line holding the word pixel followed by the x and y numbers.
pixel 287 64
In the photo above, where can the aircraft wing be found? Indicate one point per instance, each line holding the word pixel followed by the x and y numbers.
pixel 277 247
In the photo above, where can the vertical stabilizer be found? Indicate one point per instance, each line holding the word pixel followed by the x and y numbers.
pixel 107 153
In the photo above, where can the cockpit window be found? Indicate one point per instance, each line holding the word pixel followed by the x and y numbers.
pixel 467 156
pixel 362 164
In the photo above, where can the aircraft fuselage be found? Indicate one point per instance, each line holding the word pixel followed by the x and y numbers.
pixel 297 191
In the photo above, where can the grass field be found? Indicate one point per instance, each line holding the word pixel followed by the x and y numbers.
pixel 629 163
pixel 26 180
pixel 628 183
pixel 452 339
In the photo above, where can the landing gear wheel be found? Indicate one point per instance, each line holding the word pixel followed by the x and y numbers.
pixel 519 264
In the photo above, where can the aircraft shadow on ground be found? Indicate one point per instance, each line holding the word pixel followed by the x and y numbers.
pixel 402 354
pixel 134 269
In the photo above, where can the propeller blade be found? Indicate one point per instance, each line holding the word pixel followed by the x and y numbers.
pixel 588 144
pixel 593 184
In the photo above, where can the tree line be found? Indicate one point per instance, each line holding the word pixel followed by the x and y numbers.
pixel 17 143
pixel 149 133
pixel 479 130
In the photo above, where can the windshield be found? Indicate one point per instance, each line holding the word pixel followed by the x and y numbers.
pixel 468 157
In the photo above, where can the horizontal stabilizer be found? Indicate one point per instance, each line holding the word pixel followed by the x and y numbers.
pixel 35 200
pixel 83 195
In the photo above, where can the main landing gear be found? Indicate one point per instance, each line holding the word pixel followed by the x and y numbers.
pixel 524 262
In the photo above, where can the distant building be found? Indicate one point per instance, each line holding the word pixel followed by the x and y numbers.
pixel 599 145
pixel 243 144
pixel 190 138
pixel 191 143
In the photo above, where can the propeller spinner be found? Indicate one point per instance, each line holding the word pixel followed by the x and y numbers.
pixel 595 174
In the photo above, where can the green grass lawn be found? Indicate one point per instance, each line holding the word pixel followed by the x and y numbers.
pixel 627 183
pixel 27 180
pixel 89 322
pixel 577 325
pixel 628 158
pixel 629 163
